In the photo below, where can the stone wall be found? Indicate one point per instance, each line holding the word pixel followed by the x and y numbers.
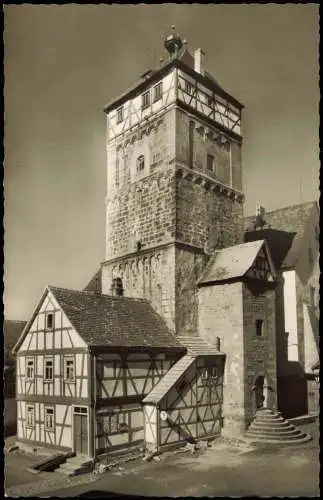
pixel 259 351
pixel 148 274
pixel 221 315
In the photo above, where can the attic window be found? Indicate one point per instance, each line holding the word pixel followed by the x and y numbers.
pixel 49 321
pixel 145 100
pixel 158 91
pixel 120 114
pixel 188 88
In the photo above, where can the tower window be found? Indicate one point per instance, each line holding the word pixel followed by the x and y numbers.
pixel 140 163
pixel 188 88
pixel 49 321
pixel 259 327
pixel 158 90
pixel 120 114
pixel 210 163
pixel 117 287
pixel 145 100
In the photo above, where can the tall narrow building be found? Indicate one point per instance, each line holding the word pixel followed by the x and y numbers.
pixel 174 188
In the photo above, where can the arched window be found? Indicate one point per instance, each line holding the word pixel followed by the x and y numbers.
pixel 140 163
pixel 117 287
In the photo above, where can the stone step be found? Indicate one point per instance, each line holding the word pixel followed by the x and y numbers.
pixel 273 424
pixel 80 460
pixel 269 418
pixel 273 430
pixel 277 437
pixel 306 438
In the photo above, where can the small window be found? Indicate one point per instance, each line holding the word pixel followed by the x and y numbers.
pixel 117 287
pixel 158 91
pixel 259 327
pixel 120 114
pixel 188 88
pixel 210 163
pixel 49 319
pixel 69 370
pixel 30 373
pixel 210 100
pixel 49 419
pixel 145 100
pixel 30 416
pixel 117 172
pixel 80 409
pixel 209 374
pixel 140 163
pixel 49 369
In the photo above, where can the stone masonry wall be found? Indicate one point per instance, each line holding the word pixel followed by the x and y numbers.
pixel 221 315
pixel 141 203
pixel 149 275
pixel 259 352
pixel 205 218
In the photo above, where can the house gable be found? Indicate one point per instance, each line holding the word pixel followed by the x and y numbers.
pixel 262 268
pixel 44 333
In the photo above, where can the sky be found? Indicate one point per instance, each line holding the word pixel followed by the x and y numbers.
pixel 63 63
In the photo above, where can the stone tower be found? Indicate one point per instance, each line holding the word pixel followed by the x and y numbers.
pixel 174 188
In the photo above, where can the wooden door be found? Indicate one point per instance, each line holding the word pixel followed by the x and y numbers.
pixel 80 434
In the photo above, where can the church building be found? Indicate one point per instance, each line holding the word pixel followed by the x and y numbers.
pixel 180 335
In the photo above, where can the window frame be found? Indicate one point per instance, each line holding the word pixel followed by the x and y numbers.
pixel 50 429
pixel 140 162
pixel 158 91
pixel 145 97
pixel 210 158
pixel 48 315
pixel 261 322
pixel 27 423
pixel 30 360
pixel 66 360
pixel 49 359
pixel 188 87
pixel 120 114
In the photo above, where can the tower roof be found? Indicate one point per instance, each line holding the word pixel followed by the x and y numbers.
pixel 181 58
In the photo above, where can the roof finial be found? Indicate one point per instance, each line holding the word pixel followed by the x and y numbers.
pixel 173 44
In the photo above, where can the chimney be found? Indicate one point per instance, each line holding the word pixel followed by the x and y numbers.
pixel 199 61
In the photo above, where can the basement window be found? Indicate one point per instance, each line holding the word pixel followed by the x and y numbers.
pixel 259 327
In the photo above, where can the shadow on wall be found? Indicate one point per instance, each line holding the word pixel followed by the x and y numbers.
pixel 292 391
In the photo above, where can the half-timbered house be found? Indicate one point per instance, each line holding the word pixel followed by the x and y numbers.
pixel 175 338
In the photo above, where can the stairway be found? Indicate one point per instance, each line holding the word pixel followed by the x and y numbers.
pixel 80 464
pixel 270 427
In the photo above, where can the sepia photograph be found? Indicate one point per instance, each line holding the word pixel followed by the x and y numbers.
pixel 161 250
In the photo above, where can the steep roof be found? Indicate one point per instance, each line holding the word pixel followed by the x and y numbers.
pixel 196 346
pixel 185 61
pixel 292 219
pixel 11 331
pixel 233 262
pixel 95 283
pixel 102 320
pixel 169 380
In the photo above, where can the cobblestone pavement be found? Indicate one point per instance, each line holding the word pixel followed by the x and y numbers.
pixel 51 481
